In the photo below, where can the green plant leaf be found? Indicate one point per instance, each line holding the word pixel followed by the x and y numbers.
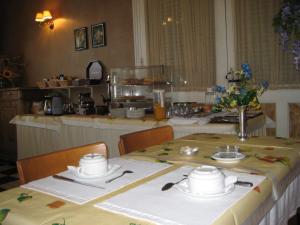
pixel 163 153
pixel 23 196
pixel 3 214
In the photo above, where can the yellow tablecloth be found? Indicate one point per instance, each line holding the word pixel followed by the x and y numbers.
pixel 278 159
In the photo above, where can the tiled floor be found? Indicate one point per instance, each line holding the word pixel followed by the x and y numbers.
pixel 8 175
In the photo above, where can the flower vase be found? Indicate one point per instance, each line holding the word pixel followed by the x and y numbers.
pixel 242 123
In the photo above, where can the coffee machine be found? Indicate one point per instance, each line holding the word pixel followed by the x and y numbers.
pixel 86 104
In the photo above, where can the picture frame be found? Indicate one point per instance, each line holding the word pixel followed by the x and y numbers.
pixel 98 35
pixel 81 38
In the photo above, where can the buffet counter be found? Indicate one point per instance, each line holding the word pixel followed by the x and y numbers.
pixel 38 134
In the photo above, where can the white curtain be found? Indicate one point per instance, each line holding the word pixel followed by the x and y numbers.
pixel 258 44
pixel 181 36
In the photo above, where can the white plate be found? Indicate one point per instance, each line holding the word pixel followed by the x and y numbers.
pixel 111 169
pixel 183 187
pixel 228 157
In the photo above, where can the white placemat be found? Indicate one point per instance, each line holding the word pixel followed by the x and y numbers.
pixel 173 207
pixel 81 194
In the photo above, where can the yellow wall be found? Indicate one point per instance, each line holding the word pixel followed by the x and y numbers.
pixel 51 52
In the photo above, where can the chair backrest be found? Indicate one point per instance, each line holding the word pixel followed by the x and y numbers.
pixel 44 165
pixel 145 138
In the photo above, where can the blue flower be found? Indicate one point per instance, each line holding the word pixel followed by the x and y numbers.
pixel 248 75
pixel 245 66
pixel 218 99
pixel 220 89
pixel 265 84
pixel 286 11
pixel 247 71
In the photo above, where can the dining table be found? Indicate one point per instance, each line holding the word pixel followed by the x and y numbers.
pixel 272 164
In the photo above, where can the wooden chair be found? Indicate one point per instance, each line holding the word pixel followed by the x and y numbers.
pixel 44 165
pixel 145 138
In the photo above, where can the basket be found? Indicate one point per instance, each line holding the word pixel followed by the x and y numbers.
pixel 41 84
pixel 64 83
pixel 52 83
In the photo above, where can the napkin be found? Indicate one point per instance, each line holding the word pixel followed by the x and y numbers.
pixel 81 194
pixel 174 207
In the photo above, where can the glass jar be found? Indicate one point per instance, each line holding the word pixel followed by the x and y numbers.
pixel 210 96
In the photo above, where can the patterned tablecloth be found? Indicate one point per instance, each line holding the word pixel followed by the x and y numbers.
pixel 276 158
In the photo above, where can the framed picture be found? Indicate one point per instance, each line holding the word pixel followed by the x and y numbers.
pixel 98 35
pixel 81 38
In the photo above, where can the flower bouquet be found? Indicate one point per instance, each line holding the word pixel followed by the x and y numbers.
pixel 242 93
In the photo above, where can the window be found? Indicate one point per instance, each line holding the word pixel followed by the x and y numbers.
pixel 180 35
pixel 258 44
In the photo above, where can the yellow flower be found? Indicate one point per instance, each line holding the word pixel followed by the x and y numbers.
pixel 254 104
pixel 233 103
pixel 260 91
pixel 231 89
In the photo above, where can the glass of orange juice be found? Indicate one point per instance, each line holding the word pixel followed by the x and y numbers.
pixel 159 104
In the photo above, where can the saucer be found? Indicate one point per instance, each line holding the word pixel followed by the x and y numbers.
pixel 228 157
pixel 184 187
pixel 110 170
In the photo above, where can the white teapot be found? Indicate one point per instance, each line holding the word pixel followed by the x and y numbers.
pixel 208 180
pixel 92 165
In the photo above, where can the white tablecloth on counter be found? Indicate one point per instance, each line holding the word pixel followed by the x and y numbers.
pixel 38 134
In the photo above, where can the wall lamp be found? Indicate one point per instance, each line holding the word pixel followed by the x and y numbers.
pixel 44 18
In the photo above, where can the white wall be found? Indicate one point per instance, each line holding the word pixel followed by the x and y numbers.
pixel 225 59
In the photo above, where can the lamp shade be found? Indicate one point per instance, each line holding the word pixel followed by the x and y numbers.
pixel 47 15
pixel 39 17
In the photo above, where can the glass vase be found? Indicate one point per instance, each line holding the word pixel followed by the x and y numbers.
pixel 242 123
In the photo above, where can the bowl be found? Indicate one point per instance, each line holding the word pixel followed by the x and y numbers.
pixel 135 113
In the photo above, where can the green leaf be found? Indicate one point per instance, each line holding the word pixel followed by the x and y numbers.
pixel 64 223
pixel 23 196
pixel 163 153
pixel 163 161
pixel 3 214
